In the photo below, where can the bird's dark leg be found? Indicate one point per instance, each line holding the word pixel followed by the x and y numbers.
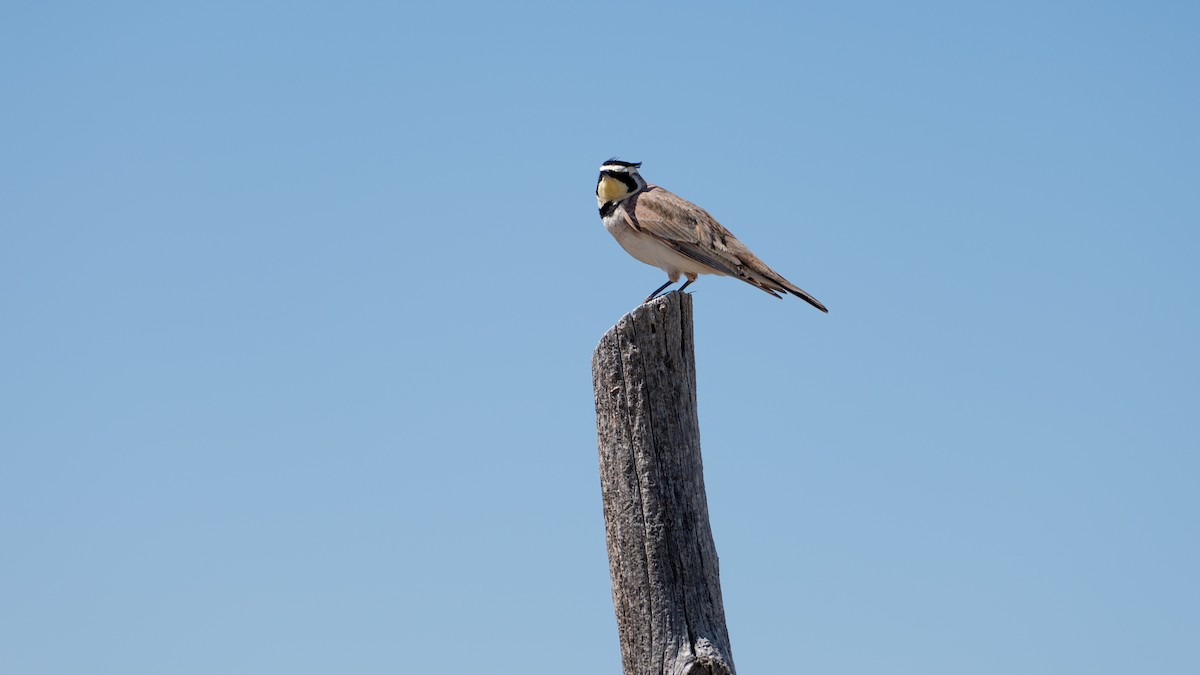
pixel 660 290
pixel 685 285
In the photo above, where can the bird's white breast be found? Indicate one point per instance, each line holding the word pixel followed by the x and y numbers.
pixel 650 249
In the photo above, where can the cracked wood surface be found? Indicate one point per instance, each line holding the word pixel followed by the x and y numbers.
pixel 665 581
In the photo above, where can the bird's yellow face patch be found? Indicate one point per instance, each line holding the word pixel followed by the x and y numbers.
pixel 610 189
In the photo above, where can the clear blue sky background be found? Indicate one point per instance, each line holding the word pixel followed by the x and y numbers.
pixel 299 302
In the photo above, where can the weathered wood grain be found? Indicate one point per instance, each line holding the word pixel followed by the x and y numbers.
pixel 665 579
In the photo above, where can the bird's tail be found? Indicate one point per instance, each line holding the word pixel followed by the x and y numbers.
pixel 781 285
pixel 803 295
pixel 770 281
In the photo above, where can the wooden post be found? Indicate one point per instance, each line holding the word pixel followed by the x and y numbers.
pixel 665 582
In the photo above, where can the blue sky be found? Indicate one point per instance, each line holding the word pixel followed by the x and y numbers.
pixel 300 301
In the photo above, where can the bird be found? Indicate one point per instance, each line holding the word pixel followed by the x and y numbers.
pixel 667 231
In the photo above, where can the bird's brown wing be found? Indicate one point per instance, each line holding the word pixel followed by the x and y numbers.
pixel 688 229
pixel 692 232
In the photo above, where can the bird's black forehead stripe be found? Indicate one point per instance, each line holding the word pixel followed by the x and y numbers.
pixel 625 178
pixel 616 162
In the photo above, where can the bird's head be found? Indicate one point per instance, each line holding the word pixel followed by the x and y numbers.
pixel 618 180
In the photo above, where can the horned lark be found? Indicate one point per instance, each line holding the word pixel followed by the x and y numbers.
pixel 669 232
